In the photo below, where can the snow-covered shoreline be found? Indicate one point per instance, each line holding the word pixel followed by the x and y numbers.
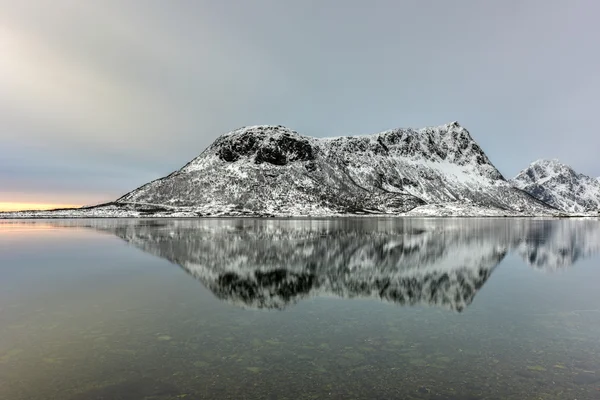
pixel 449 210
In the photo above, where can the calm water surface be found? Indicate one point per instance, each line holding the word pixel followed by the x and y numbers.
pixel 300 309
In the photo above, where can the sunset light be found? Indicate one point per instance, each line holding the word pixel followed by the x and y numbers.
pixel 6 206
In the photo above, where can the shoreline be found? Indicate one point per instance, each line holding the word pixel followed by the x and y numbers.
pixel 155 211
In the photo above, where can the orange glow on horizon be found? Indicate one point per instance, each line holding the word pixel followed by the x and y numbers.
pixel 7 206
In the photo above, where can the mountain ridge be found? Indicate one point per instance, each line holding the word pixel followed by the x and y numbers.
pixel 273 170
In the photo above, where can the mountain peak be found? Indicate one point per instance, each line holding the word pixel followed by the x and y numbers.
pixel 546 169
pixel 549 162
pixel 273 144
pixel 454 124
pixel 557 184
pixel 268 130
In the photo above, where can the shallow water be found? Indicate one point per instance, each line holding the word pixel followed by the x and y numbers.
pixel 300 309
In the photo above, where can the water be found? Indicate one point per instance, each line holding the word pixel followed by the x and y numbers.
pixel 300 309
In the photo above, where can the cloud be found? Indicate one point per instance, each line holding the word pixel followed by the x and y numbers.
pixel 103 96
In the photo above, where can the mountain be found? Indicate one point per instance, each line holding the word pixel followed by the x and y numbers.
pixel 274 263
pixel 560 186
pixel 274 171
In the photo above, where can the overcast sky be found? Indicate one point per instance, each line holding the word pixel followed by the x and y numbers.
pixel 99 97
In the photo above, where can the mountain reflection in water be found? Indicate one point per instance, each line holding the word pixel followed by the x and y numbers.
pixel 271 264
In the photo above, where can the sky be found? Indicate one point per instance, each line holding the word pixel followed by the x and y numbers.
pixel 98 98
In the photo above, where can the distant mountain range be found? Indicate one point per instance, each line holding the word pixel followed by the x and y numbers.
pixel 415 261
pixel 274 171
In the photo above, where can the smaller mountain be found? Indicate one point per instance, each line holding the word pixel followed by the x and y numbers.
pixel 560 186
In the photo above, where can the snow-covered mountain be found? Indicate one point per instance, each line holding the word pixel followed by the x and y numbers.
pixel 272 170
pixel 560 186
pixel 272 263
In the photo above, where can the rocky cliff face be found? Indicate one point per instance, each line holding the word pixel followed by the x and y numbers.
pixel 272 170
pixel 560 186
